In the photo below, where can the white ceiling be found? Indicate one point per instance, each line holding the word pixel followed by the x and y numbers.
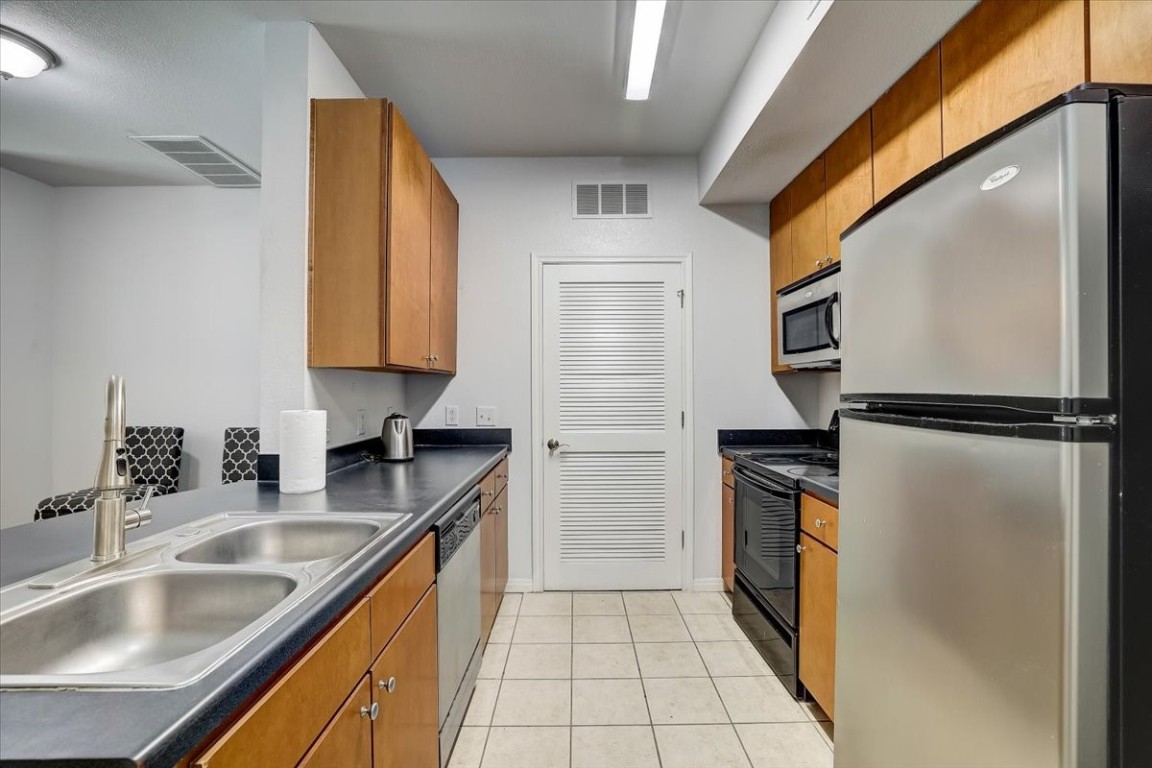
pixel 130 67
pixel 494 78
pixel 510 78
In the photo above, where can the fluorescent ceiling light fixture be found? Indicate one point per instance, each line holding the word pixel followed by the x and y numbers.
pixel 21 56
pixel 646 28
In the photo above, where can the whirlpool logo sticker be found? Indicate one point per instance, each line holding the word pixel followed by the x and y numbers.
pixel 1000 178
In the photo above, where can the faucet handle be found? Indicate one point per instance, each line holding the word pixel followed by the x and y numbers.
pixel 141 516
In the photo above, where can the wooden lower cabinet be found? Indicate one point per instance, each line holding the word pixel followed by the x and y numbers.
pixel 280 727
pixel 488 602
pixel 493 546
pixel 406 731
pixel 311 714
pixel 727 531
pixel 347 741
pixel 818 622
pixel 500 510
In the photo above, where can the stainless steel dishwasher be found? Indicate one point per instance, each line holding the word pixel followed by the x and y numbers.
pixel 457 614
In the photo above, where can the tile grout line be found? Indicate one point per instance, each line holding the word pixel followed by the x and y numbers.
pixel 727 714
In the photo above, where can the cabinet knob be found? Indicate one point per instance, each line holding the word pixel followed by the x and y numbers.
pixel 800 548
pixel 819 262
pixel 371 712
pixel 497 510
pixel 388 686
pixel 487 493
pixel 501 477
pixel 820 523
pixel 827 261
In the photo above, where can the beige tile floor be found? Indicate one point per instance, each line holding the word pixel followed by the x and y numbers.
pixel 632 680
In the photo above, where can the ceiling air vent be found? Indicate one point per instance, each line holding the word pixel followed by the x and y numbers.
pixel 204 159
pixel 610 200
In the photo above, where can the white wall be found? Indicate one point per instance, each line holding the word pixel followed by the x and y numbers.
pixel 510 208
pixel 159 285
pixel 300 66
pixel 25 345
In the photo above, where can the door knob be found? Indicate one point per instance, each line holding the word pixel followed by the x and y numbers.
pixel 555 444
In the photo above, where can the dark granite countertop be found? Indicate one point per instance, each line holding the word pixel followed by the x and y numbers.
pixel 158 727
pixel 826 488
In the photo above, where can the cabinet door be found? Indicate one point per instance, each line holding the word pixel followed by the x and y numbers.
pixel 406 732
pixel 780 258
pixel 1005 58
pixel 1120 41
pixel 818 621
pixel 409 246
pixel 278 729
pixel 346 212
pixel 848 165
pixel 906 126
pixel 347 741
pixel 500 510
pixel 727 544
pixel 442 301
pixel 809 221
pixel 488 601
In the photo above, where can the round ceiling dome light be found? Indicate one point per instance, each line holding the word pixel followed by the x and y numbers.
pixel 21 56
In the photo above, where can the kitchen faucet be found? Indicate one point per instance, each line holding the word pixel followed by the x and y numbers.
pixel 113 479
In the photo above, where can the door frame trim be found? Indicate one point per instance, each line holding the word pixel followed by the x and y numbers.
pixel 688 518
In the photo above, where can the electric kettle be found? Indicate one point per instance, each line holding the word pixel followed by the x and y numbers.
pixel 397 438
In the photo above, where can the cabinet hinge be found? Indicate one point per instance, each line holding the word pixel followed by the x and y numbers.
pixel 680 293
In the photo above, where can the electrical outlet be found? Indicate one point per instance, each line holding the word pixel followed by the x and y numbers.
pixel 485 415
pixel 361 422
pixel 451 415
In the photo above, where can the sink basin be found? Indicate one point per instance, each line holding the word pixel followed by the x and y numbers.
pixel 281 541
pixel 136 622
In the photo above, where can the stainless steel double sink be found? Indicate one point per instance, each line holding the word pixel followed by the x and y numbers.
pixel 179 603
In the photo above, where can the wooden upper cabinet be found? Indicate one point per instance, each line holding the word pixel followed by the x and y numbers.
pixel 779 259
pixel 848 168
pixel 406 731
pixel 409 247
pixel 809 221
pixel 1005 58
pixel 442 308
pixel 1120 41
pixel 906 133
pixel 345 265
pixel 382 246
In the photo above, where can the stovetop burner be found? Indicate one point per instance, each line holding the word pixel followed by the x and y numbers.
pixel 821 459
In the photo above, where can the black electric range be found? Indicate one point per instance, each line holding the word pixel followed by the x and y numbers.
pixel 766 598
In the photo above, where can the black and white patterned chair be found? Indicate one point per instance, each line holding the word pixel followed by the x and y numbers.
pixel 241 447
pixel 153 454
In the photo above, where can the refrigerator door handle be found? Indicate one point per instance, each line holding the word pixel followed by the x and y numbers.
pixel 832 301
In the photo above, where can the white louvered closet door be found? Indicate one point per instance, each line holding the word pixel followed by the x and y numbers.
pixel 613 392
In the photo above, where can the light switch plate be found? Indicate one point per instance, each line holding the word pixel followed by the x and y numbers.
pixel 451 415
pixel 485 415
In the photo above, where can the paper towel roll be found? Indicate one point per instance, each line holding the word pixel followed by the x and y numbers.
pixel 303 451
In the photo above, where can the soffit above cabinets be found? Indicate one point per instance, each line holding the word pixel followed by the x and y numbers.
pixel 783 113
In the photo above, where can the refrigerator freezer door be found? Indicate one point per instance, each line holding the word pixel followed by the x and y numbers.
pixel 972 608
pixel 985 283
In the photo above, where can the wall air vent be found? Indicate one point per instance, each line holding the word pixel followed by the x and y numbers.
pixel 610 200
pixel 204 159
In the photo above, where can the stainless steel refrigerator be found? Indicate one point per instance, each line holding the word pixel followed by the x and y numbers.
pixel 994 585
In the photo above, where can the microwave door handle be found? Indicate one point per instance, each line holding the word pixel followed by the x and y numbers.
pixel 832 301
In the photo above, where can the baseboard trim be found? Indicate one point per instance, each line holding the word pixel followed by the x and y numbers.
pixel 708 585
pixel 518 585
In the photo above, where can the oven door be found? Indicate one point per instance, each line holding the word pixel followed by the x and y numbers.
pixel 808 324
pixel 767 522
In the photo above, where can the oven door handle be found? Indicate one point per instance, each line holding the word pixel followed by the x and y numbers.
pixel 833 300
pixel 764 484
